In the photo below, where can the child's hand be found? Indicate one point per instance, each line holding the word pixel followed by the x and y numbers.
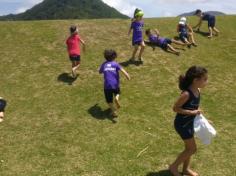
pixel 196 112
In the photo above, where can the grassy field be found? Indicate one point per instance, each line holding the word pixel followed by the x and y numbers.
pixel 57 127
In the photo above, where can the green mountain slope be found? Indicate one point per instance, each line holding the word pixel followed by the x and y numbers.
pixel 67 9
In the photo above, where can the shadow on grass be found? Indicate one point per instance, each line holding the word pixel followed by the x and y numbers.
pixel 66 78
pixel 205 34
pixel 97 112
pixel 160 173
pixel 130 62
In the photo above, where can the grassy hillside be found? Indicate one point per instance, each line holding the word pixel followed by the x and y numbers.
pixel 58 128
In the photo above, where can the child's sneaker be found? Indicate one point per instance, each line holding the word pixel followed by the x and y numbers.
pixel 194 44
pixel 140 60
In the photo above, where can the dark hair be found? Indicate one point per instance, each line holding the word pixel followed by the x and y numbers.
pixel 192 73
pixel 197 11
pixel 73 29
pixel 110 54
pixel 148 31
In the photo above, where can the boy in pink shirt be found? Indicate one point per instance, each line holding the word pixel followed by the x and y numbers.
pixel 73 47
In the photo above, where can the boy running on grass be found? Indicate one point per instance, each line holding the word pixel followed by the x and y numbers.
pixel 110 69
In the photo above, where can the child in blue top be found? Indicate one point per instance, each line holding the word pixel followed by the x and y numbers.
pixel 3 104
pixel 187 107
pixel 137 39
pixel 185 32
pixel 211 22
pixel 110 69
pixel 164 43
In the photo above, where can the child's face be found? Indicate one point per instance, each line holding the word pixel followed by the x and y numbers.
pixel 199 14
pixel 202 82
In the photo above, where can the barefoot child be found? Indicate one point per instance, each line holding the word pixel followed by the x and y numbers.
pixel 185 32
pixel 110 69
pixel 211 22
pixel 3 104
pixel 73 47
pixel 137 39
pixel 164 43
pixel 187 107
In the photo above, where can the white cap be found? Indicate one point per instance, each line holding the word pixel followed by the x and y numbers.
pixel 182 20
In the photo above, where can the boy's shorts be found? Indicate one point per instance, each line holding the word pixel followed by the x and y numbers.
pixel 212 22
pixel 3 104
pixel 75 58
pixel 165 43
pixel 139 43
pixel 109 94
pixel 183 36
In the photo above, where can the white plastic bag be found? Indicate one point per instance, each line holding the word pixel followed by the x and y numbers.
pixel 203 129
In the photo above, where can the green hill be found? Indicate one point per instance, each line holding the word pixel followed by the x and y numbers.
pixel 67 9
pixel 57 129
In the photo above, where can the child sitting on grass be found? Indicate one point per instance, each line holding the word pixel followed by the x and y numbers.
pixel 110 69
pixel 185 32
pixel 164 43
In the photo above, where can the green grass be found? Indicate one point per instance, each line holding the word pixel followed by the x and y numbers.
pixel 55 129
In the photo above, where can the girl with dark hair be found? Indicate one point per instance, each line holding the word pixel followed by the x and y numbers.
pixel 187 107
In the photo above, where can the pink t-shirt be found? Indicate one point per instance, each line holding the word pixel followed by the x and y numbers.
pixel 73 45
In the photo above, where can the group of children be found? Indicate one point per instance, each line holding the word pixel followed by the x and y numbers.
pixel 186 106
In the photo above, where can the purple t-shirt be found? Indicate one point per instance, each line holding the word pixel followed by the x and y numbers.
pixel 156 39
pixel 110 70
pixel 137 27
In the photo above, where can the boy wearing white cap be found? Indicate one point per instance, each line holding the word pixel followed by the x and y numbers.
pixel 185 32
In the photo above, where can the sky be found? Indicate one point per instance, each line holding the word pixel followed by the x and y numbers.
pixel 151 8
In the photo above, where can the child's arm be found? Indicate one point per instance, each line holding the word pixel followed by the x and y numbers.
pixel 157 32
pixel 83 43
pixel 180 102
pixel 125 73
pixel 190 28
pixel 199 24
pixel 130 29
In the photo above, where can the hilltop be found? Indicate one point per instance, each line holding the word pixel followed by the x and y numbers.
pixel 67 9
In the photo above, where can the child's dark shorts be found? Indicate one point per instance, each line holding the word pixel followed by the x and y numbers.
pixel 139 43
pixel 75 58
pixel 212 22
pixel 164 45
pixel 3 104
pixel 183 36
pixel 184 127
pixel 109 94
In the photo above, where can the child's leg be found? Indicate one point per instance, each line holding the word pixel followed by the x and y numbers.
pixel 1 116
pixel 141 50
pixel 117 101
pixel 210 32
pixel 216 30
pixel 178 42
pixel 190 149
pixel 172 49
pixel 186 168
pixel 136 47
pixel 192 39
pixel 75 66
pixel 113 109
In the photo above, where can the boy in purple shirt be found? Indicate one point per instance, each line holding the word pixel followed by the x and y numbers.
pixel 164 43
pixel 110 69
pixel 137 39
